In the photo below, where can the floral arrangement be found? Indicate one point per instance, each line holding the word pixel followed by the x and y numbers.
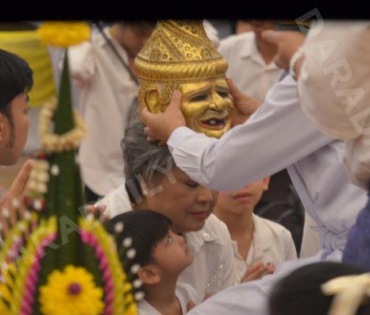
pixel 59 143
pixel 56 260
pixel 64 34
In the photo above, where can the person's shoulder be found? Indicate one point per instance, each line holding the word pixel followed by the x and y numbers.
pixel 235 42
pixel 186 292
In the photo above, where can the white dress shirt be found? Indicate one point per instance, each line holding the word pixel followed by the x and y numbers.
pixel 278 135
pixel 213 267
pixel 272 243
pixel 184 294
pixel 247 68
pixel 106 94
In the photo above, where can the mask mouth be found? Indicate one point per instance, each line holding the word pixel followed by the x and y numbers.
pixel 215 121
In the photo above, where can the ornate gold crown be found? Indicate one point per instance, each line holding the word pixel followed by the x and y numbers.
pixel 179 50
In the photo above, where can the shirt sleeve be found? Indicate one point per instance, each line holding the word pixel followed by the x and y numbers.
pixel 116 202
pixel 81 62
pixel 274 137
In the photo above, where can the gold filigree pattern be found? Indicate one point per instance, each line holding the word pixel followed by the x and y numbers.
pixel 179 50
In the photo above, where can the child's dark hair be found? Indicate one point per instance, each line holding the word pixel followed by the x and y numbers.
pixel 15 78
pixel 300 292
pixel 145 228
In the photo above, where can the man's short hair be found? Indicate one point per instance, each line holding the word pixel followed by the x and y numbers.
pixel 15 78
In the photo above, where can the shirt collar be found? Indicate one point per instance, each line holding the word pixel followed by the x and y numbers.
pixel 251 51
pixel 248 50
pixel 263 236
pixel 206 235
pixel 101 41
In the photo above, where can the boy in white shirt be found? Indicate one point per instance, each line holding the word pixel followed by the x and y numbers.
pixel 259 244
pixel 161 255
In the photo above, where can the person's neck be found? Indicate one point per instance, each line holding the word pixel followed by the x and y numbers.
pixel 162 297
pixel 241 228
pixel 117 33
pixel 239 225
pixel 267 51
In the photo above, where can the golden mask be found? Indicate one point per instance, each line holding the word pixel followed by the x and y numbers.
pixel 179 55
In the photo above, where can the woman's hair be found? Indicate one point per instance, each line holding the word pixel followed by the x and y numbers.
pixel 300 292
pixel 144 160
pixel 145 228
pixel 15 78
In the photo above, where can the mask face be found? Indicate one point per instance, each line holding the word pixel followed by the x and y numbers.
pixel 205 104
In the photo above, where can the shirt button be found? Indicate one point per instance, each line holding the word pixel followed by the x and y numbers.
pixel 206 236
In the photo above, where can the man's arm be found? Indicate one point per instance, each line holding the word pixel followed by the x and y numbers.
pixel 81 62
pixel 275 137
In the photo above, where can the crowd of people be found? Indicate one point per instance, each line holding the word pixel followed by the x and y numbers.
pixel 181 156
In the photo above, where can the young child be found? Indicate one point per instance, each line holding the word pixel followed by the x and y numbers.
pixel 258 244
pixel 161 254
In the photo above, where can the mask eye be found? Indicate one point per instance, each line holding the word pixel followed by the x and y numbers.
pixel 223 94
pixel 199 98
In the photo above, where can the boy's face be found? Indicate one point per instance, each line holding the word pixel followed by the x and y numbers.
pixel 239 201
pixel 172 255
pixel 183 201
pixel 13 135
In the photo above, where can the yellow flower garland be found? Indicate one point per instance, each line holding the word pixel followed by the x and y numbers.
pixel 124 303
pixel 58 143
pixel 45 228
pixel 71 292
pixel 64 34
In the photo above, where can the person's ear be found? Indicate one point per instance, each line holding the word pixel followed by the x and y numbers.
pixel 266 182
pixel 149 274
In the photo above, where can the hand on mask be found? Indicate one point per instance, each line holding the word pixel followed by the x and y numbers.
pixel 244 105
pixel 160 126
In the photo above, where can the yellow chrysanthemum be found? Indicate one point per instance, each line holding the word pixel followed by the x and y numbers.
pixel 4 310
pixel 64 34
pixel 132 309
pixel 6 286
pixel 71 292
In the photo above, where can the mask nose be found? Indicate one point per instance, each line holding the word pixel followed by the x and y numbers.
pixel 217 103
